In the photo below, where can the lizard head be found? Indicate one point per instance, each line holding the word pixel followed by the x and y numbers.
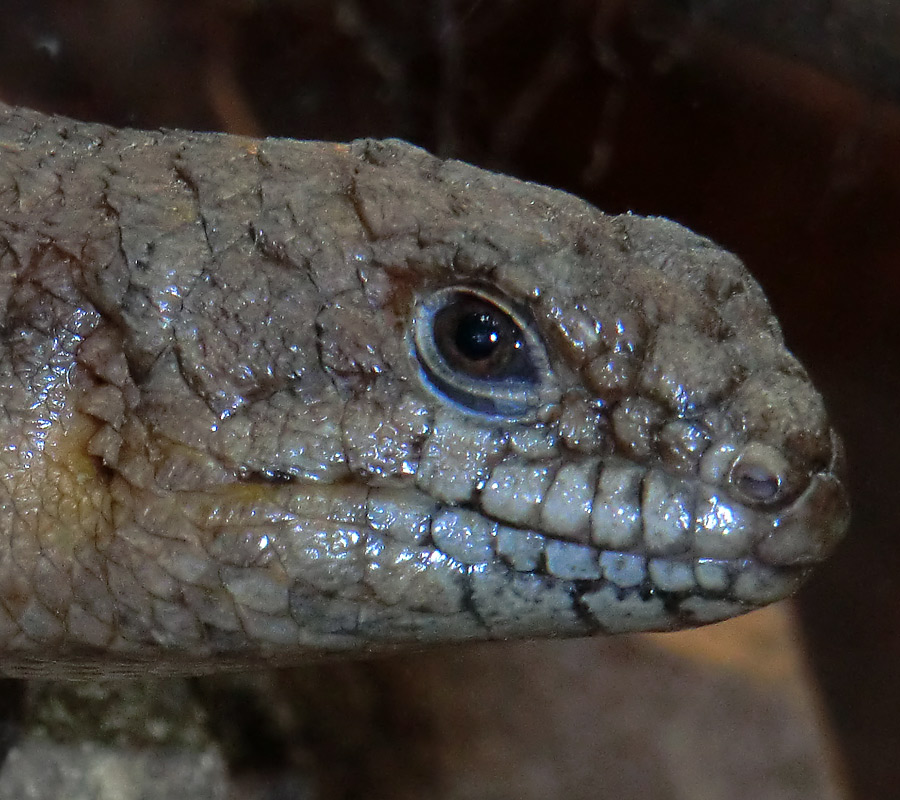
pixel 595 416
pixel 273 398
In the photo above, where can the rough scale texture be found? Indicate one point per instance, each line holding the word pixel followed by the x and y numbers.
pixel 235 427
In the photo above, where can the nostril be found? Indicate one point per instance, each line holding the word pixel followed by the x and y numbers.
pixel 758 474
pixel 755 482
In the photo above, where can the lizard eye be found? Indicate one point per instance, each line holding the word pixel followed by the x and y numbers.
pixel 477 350
pixel 481 341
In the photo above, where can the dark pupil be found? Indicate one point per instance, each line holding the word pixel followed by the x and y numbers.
pixel 477 335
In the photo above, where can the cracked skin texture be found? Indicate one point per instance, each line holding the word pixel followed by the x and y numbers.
pixel 221 445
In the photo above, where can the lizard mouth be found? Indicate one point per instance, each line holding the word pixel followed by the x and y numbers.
pixel 589 545
pixel 647 551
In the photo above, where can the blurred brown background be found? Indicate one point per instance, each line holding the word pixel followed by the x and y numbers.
pixel 772 127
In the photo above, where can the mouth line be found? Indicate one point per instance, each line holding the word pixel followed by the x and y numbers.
pixel 724 586
pixel 630 593
pixel 744 580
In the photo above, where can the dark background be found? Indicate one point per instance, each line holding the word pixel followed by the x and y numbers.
pixel 773 128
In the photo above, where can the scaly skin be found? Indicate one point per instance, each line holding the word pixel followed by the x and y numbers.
pixel 226 439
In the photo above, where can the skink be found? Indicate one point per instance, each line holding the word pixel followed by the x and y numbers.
pixel 264 400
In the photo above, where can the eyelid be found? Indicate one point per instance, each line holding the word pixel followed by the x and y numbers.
pixel 513 396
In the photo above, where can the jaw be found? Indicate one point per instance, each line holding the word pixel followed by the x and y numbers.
pixel 395 565
pixel 256 569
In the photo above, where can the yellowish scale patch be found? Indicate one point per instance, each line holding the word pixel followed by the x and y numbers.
pixel 260 502
pixel 76 506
